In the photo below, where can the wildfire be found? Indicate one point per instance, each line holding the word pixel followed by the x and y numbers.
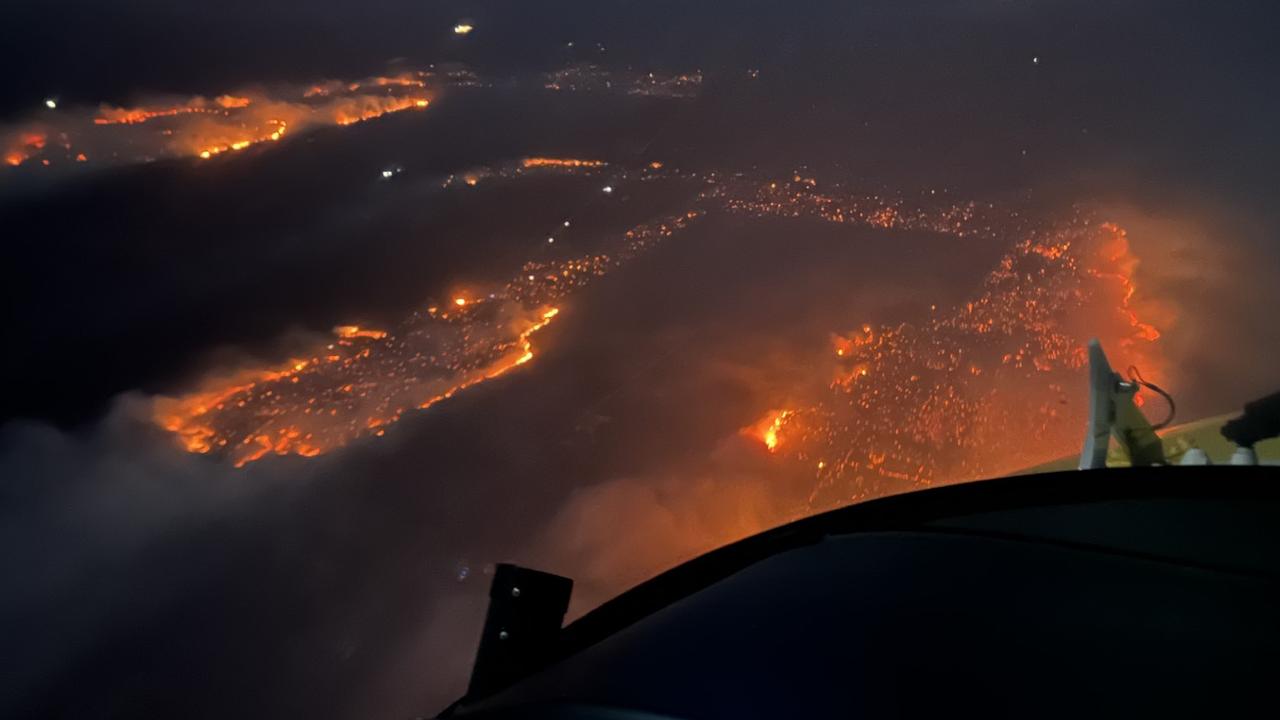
pixel 370 107
pixel 1115 250
pixel 548 162
pixel 767 428
pixel 512 361
pixel 22 145
pixel 348 332
pixel 341 87
pixel 990 386
pixel 108 115
pixel 344 391
pixel 207 126
pixel 985 387
pixel 203 127
pixel 368 379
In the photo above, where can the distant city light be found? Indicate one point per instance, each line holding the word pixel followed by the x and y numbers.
pixel 460 302
pixel 566 223
pixel 51 103
pixel 607 189
pixel 463 28
pixel 551 239
pixel 388 173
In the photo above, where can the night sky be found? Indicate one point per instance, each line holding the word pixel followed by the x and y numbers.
pixel 145 580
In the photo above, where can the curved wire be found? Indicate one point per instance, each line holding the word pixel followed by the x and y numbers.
pixel 1136 376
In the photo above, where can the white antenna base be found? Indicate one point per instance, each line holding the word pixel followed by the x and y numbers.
pixel 1244 455
pixel 1195 456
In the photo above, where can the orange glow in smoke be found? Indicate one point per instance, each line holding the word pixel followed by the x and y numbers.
pixel 110 115
pixel 22 145
pixel 766 429
pixel 355 331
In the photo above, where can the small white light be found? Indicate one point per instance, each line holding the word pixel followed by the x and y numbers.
pixel 551 240
pixel 387 173
pixel 51 103
pixel 566 223
pixel 463 28
pixel 1035 60
pixel 607 189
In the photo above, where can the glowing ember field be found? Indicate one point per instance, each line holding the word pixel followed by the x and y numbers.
pixel 368 379
pixel 204 127
pixel 983 388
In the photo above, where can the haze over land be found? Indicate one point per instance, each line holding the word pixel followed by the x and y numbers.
pixel 593 289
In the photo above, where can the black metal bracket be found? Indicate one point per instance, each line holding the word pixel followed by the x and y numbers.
pixel 526 611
